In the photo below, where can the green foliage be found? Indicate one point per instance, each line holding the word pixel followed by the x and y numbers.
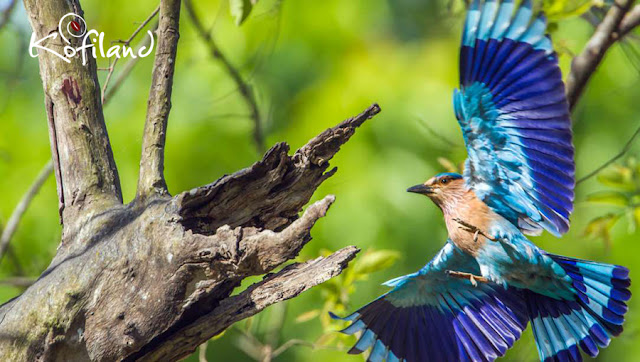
pixel 336 294
pixel 624 195
pixel 557 10
pixel 240 9
pixel 313 64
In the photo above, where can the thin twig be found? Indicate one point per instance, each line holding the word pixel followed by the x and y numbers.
pixel 584 64
pixel 16 216
pixel 127 42
pixel 151 178
pixel 124 73
pixel 243 87
pixel 11 255
pixel 624 150
pixel 630 21
pixel 202 352
pixel 435 134
pixel 290 343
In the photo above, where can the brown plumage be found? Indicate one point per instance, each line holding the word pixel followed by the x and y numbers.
pixel 457 202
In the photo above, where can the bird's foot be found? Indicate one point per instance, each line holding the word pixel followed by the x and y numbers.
pixel 474 279
pixel 473 229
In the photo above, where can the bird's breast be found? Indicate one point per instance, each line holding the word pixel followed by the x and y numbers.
pixel 476 214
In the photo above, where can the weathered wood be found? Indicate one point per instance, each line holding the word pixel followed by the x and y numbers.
pixel 85 171
pixel 151 178
pixel 153 279
pixel 286 184
pixel 147 278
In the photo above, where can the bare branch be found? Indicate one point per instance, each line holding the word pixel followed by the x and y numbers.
pixel 630 21
pixel 86 173
pixel 584 64
pixel 124 73
pixel 624 150
pixel 286 284
pixel 172 275
pixel 243 87
pixel 299 174
pixel 151 179
pixel 127 42
pixel 202 352
pixel 18 212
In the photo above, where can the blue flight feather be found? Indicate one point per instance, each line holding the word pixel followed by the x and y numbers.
pixel 514 116
pixel 513 112
pixel 428 310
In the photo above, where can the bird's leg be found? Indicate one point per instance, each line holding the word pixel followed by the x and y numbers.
pixel 474 279
pixel 473 229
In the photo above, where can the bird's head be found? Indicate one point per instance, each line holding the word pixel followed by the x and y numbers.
pixel 442 189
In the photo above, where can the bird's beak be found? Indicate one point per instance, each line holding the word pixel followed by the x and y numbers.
pixel 421 189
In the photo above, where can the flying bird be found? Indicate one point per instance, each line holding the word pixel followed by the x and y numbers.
pixel 477 295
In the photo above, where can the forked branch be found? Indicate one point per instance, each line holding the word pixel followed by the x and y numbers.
pixel 286 284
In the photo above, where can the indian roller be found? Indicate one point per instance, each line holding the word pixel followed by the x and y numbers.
pixel 477 295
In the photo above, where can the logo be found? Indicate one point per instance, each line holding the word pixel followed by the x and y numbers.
pixel 76 27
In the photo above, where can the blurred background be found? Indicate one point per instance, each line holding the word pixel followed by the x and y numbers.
pixel 311 64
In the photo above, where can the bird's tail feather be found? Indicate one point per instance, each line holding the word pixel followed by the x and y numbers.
pixel 590 320
pixel 461 323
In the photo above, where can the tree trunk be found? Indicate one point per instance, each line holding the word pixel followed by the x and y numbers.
pixel 152 279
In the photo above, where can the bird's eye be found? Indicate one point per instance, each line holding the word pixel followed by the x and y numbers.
pixel 444 181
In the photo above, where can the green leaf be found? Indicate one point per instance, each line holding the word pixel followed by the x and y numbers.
pixel 375 260
pixel 609 197
pixel 240 9
pixel 601 226
pixel 619 177
pixel 218 336
pixel 562 9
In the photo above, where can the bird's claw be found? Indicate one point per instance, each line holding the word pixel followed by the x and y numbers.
pixel 474 279
pixel 473 229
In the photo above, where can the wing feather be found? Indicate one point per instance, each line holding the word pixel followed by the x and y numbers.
pixel 431 316
pixel 514 116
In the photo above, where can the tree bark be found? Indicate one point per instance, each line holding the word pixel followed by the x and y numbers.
pixel 152 279
pixel 85 170
pixel 618 22
pixel 151 180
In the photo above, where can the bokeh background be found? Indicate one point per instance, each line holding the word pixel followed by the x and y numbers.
pixel 311 65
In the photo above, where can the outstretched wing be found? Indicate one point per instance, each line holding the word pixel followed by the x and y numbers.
pixel 514 116
pixel 431 316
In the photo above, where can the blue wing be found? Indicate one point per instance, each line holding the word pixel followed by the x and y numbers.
pixel 514 116
pixel 430 316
